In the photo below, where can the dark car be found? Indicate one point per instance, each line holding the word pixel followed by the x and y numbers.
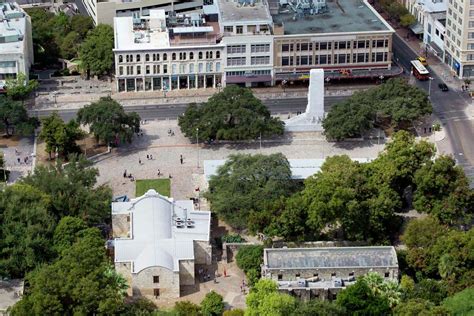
pixel 443 87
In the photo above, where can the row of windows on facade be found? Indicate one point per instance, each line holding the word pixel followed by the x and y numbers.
pixel 239 29
pixel 254 60
pixel 157 69
pixel 254 48
pixel 328 59
pixel 315 275
pixel 129 58
pixel 252 73
pixel 336 45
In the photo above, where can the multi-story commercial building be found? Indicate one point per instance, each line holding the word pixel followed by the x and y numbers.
pixel 104 11
pixel 251 42
pixel 431 22
pixel 459 39
pixel 16 45
pixel 322 272
pixel 167 53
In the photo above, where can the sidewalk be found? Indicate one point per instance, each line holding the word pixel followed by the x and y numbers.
pixel 180 96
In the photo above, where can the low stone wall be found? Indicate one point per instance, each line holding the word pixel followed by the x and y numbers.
pixel 230 249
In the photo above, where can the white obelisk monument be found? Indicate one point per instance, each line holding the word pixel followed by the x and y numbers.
pixel 311 119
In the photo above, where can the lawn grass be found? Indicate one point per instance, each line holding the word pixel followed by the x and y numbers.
pixel 161 186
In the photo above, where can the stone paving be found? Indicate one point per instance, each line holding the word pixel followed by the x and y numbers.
pixel 186 177
pixel 18 158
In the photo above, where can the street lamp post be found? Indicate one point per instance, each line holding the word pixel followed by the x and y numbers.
pixel 429 86
pixel 197 144
pixel 327 83
pixel 381 78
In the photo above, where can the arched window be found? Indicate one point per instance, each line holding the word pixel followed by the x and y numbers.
pixel 165 56
pixel 218 54
pixel 147 57
pixel 200 55
pixel 120 58
pixel 191 55
pixel 173 56
pixel 138 58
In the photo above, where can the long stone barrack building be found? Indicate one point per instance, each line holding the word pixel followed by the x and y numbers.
pixel 322 272
pixel 158 242
pixel 251 43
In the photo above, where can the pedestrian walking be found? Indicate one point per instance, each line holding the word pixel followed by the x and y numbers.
pixel 181 158
pixel 158 173
pixel 19 160
pixel 125 173
pixel 148 157
pixel 151 157
pixel 169 176
pixel 139 161
pixel 25 160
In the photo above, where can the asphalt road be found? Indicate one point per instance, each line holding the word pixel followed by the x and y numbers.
pixel 448 107
pixel 172 111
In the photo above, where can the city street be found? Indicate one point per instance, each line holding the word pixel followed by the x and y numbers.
pixel 449 107
pixel 172 111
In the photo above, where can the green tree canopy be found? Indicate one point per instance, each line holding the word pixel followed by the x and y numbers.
pixel 60 136
pixel 407 20
pixel 81 24
pixel 394 103
pixel 442 190
pixel 461 303
pixel 67 232
pixel 97 50
pixel 20 87
pixel 419 307
pixel 317 307
pixel 233 114
pixel 186 308
pixel 247 184
pixel 80 282
pixel 212 304
pixel 264 300
pixel 14 118
pixel 73 191
pixel 70 45
pixel 26 230
pixel 360 299
pixel 108 121
pixel 249 257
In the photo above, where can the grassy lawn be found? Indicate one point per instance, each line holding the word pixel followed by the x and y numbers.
pixel 161 186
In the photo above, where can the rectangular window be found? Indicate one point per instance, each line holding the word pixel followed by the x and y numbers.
pixel 236 49
pixel 191 68
pixel 228 29
pixel 260 48
pixel 280 277
pixel 470 57
pixel 286 47
pixel 156 292
pixel 236 61
pixel 139 69
pixel 304 60
pixel 297 275
pixel 323 46
pixel 156 279
pixel 470 35
pixel 323 59
pixel 471 24
pixel 471 13
pixel 333 274
pixel 429 28
pixel 360 44
pixel 120 70
pixel 165 69
pixel 387 274
pixel 260 60
pixel 239 29
pixel 287 61
pixel 361 58
pixel 147 69
pixel 342 45
pixel 470 46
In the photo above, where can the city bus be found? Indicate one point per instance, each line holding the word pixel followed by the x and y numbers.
pixel 419 71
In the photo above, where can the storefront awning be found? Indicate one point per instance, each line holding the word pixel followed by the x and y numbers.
pixel 417 28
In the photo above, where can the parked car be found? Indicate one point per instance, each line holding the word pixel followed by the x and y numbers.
pixel 443 87
pixel 423 61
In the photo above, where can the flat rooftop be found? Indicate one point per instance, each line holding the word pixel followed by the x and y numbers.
pixel 230 11
pixel 330 257
pixel 12 28
pixel 341 16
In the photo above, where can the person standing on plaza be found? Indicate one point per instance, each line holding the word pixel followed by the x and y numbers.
pixel 181 159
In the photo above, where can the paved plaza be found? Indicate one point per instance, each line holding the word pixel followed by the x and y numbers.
pixel 18 156
pixel 188 176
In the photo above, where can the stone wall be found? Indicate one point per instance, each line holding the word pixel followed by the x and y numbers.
pixel 202 252
pixel 120 225
pixel 326 274
pixel 125 270
pixel 186 272
pixel 307 294
pixel 142 283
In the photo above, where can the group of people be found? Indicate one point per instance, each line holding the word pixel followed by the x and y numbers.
pixel 25 160
pixel 170 132
pixel 465 88
pixel 130 176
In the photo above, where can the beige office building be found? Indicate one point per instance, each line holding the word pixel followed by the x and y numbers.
pixel 459 39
